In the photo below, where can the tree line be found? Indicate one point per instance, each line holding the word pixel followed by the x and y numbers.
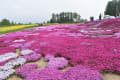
pixel 66 17
pixel 6 22
pixel 113 8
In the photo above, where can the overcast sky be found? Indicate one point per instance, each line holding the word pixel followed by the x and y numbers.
pixel 40 10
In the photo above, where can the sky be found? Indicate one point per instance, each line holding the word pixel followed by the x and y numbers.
pixel 38 11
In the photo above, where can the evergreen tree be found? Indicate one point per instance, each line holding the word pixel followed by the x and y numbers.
pixel 65 17
pixel 113 8
pixel 53 20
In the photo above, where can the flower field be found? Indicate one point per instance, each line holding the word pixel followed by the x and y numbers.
pixel 89 48
pixel 15 28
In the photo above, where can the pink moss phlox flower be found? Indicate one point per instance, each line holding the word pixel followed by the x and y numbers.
pixel 4 50
pixel 59 62
pixel 32 57
pixel 25 70
pixel 27 44
pixel 16 45
pixel 81 73
pixel 29 72
pixel 117 35
pixel 45 74
pixel 48 57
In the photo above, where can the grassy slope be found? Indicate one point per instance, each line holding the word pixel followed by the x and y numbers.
pixel 14 30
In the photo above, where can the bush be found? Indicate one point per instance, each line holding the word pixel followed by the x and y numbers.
pixel 5 22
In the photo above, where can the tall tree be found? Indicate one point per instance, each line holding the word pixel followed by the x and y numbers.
pixel 53 20
pixel 113 8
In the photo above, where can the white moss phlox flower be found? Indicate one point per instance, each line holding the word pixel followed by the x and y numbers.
pixel 26 52
pixel 6 74
pixel 8 56
pixel 7 69
pixel 19 61
pixel 11 64
pixel 21 40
